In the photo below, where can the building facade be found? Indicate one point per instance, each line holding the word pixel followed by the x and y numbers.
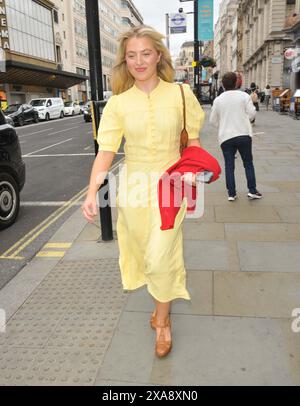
pixel 292 28
pixel 227 37
pixel 46 49
pixel 31 68
pixel 183 64
pixel 265 41
pixel 130 15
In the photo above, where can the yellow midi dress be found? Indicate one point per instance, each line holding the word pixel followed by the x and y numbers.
pixel 151 125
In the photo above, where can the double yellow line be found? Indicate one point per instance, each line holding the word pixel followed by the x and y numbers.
pixel 13 252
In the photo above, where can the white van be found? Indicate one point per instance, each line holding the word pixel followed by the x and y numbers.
pixel 48 108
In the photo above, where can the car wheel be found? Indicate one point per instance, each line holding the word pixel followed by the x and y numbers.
pixel 47 117
pixel 9 200
pixel 21 122
pixel 61 114
pixel 36 119
pixel 73 113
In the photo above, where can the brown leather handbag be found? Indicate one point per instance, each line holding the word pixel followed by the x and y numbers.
pixel 184 137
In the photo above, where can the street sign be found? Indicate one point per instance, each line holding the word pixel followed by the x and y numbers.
pixel 206 20
pixel 178 23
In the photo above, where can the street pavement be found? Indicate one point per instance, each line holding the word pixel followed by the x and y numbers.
pixel 70 323
pixel 58 155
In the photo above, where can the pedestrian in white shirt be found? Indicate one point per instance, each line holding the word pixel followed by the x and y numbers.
pixel 267 92
pixel 231 113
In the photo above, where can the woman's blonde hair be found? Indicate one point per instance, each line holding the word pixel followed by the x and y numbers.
pixel 122 80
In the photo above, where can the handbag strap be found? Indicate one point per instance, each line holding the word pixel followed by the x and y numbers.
pixel 184 134
pixel 184 106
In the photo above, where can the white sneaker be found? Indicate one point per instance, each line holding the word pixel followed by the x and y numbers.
pixel 254 196
pixel 231 198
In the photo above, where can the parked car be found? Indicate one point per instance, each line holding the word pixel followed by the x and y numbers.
pixel 48 108
pixel 81 105
pixel 71 108
pixel 22 113
pixel 87 112
pixel 12 173
pixel 9 121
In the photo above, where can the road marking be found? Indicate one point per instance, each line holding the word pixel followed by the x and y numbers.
pixel 58 155
pixel 13 258
pixel 64 155
pixel 51 254
pixel 258 133
pixel 58 245
pixel 37 132
pixel 62 131
pixel 87 148
pixel 43 149
pixel 20 245
pixel 40 228
pixel 42 204
pixel 52 122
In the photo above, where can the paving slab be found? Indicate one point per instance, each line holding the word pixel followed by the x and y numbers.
pixel 92 250
pixel 207 351
pixel 203 231
pixel 262 232
pixel 270 256
pixel 206 255
pixel 289 215
pixel 200 287
pixel 256 294
pixel 257 213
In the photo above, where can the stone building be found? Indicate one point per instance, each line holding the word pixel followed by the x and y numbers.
pixel 264 41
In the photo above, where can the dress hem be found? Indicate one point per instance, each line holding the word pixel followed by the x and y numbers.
pixel 180 296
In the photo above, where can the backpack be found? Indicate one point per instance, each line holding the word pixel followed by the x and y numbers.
pixel 254 97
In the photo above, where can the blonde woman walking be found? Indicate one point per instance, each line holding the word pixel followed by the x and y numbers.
pixel 146 108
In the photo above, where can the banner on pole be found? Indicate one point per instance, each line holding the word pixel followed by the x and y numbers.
pixel 206 20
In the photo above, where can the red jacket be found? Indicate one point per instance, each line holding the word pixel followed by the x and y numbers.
pixel 194 160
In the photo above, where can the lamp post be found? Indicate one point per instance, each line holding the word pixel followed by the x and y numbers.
pixel 94 45
pixel 196 46
pixel 168 31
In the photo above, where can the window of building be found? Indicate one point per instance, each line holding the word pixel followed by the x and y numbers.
pixel 81 71
pixel 58 54
pixel 30 29
pixel 55 16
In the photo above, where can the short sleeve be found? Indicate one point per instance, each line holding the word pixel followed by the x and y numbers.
pixel 195 115
pixel 110 130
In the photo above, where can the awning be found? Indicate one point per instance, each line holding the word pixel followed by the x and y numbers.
pixel 19 73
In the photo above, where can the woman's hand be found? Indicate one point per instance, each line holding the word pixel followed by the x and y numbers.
pixel 189 178
pixel 90 208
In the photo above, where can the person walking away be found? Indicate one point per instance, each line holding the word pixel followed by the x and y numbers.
pixel 231 114
pixel 147 109
pixel 268 93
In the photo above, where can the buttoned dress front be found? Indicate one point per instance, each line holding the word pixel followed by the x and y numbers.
pixel 151 125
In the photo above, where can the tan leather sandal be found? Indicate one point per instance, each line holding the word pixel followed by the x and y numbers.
pixel 163 346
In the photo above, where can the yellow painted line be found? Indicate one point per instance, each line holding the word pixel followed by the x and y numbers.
pixel 51 254
pixel 57 245
pixel 40 228
pixel 35 232
pixel 14 258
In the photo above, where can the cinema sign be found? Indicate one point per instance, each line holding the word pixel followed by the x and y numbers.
pixel 4 38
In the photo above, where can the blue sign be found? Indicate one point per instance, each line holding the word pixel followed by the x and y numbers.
pixel 205 20
pixel 178 23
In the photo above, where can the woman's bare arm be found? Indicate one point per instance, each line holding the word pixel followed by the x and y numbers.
pixel 100 169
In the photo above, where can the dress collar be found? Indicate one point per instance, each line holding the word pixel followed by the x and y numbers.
pixel 152 92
